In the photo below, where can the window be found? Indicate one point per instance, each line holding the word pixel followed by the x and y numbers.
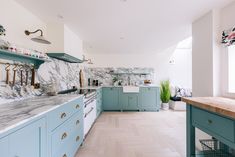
pixel 231 69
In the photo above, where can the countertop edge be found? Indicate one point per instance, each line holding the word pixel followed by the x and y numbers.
pixel 209 107
pixel 22 122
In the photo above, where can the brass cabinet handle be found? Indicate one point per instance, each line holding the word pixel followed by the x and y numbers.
pixel 78 138
pixel 63 115
pixel 77 106
pixel 77 122
pixel 64 155
pixel 64 136
pixel 210 121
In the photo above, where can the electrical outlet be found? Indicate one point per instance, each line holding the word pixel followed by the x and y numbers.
pixel 172 62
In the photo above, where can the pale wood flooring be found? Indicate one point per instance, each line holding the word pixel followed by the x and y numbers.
pixel 137 134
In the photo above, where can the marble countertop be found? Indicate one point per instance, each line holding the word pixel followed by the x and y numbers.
pixel 18 112
pixel 219 105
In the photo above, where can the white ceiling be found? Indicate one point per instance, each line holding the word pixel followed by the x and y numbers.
pixel 125 26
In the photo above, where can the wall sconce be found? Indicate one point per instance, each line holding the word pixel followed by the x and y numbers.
pixel 86 60
pixel 39 39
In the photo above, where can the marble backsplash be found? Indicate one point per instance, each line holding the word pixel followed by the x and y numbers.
pixel 63 75
pixel 106 75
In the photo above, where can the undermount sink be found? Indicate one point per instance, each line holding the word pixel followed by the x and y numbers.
pixel 131 89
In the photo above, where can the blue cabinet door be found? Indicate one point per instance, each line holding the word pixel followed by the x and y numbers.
pixel 111 99
pixel 4 147
pixel 150 98
pixel 29 141
pixel 129 101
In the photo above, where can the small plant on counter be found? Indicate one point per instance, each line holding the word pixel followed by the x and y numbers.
pixel 165 94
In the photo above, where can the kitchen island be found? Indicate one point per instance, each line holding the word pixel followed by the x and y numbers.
pixel 214 116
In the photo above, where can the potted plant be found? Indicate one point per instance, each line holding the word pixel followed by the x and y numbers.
pixel 165 94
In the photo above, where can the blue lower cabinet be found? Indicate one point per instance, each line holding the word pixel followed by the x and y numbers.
pixel 149 98
pixel 65 134
pixel 129 101
pixel 4 147
pixel 111 99
pixel 29 141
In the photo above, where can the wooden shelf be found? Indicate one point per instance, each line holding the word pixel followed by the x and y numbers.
pixel 13 56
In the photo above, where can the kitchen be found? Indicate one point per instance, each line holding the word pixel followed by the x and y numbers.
pixel 96 79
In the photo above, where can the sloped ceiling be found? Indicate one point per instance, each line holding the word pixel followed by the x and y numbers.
pixel 125 26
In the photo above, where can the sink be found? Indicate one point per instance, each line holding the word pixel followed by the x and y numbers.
pixel 131 89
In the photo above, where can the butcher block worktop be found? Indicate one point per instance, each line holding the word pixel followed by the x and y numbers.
pixel 219 105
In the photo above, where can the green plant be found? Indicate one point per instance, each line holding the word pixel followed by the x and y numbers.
pixel 165 92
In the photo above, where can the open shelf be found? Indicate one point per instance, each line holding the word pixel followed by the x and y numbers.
pixel 65 57
pixel 8 55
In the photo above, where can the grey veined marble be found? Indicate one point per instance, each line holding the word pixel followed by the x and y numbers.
pixel 11 114
pixel 106 75
pixel 64 74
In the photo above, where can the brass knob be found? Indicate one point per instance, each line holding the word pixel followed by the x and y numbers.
pixel 64 136
pixel 78 138
pixel 77 106
pixel 64 155
pixel 63 115
pixel 77 122
pixel 210 121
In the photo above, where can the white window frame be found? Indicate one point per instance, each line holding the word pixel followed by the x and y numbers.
pixel 231 93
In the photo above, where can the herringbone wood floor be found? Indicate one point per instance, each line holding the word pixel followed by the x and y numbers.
pixel 137 134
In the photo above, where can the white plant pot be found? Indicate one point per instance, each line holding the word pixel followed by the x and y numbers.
pixel 165 106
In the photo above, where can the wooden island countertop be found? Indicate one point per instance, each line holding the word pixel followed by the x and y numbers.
pixel 220 105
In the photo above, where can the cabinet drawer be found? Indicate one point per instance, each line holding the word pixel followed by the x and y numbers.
pixel 220 126
pixel 77 140
pixel 61 114
pixel 62 136
pixel 71 146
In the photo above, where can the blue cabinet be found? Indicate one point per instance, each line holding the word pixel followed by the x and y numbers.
pixel 4 147
pixel 129 101
pixel 111 99
pixel 65 130
pixel 29 141
pixel 149 98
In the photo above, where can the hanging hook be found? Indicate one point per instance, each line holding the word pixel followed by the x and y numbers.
pixel 21 67
pixel 7 66
pixel 14 69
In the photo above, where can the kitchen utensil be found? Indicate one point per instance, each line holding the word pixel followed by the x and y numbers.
pixel 14 74
pixel 97 82
pixel 21 75
pixel 7 72
pixel 89 81
pixel 27 75
pixel 33 77
pixel 81 78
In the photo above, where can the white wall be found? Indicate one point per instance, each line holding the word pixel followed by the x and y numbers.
pixel 72 43
pixel 227 22
pixel 202 56
pixel 56 35
pixel 210 60
pixel 179 73
pixel 16 19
